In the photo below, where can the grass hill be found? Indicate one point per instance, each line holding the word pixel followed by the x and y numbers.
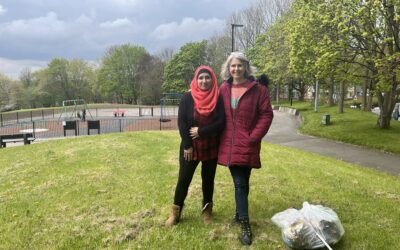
pixel 115 191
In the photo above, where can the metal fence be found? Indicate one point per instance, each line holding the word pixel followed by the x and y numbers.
pixel 51 129
pixel 92 113
pixel 51 124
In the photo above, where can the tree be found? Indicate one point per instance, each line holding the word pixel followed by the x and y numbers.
pixel 304 36
pixel 59 85
pixel 81 77
pixel 152 70
pixel 218 47
pixel 319 47
pixel 26 77
pixel 118 74
pixel 271 54
pixel 373 31
pixel 27 91
pixel 165 54
pixel 255 20
pixel 6 88
pixel 44 93
pixel 178 72
pixel 65 80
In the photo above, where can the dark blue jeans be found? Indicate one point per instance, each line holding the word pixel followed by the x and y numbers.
pixel 241 181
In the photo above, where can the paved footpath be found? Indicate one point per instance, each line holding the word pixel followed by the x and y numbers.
pixel 284 132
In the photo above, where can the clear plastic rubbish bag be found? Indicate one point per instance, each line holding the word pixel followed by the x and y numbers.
pixel 313 226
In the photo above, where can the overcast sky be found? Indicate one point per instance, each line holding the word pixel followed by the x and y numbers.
pixel 32 32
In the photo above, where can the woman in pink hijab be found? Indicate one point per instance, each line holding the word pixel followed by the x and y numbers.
pixel 201 118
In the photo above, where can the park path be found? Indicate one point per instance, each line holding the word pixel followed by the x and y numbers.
pixel 284 131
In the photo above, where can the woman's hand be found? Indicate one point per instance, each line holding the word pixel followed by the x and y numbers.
pixel 194 132
pixel 188 154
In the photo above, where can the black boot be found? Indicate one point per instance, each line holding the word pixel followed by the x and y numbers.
pixel 245 233
pixel 235 220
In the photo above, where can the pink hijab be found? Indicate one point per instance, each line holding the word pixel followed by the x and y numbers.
pixel 205 101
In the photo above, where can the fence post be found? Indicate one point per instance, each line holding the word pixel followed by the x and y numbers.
pixel 97 115
pixel 33 129
pixel 42 114
pixel 31 115
pixel 120 125
pixel 17 118
pixel 1 120
pixel 152 112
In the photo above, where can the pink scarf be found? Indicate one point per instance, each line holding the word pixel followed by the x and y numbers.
pixel 204 101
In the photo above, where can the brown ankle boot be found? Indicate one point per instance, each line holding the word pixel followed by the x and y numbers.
pixel 207 213
pixel 174 217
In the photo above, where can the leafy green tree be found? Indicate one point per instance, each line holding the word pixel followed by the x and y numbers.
pixel 64 80
pixel 45 94
pixel 6 88
pixel 346 41
pixel 81 77
pixel 150 71
pixel 372 28
pixel 179 71
pixel 118 76
pixel 303 38
pixel 27 96
pixel 58 81
pixel 271 55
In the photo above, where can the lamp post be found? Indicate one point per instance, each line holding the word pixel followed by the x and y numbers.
pixel 233 34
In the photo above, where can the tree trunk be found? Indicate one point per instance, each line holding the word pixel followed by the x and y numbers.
pixel 341 97
pixel 384 115
pixel 331 90
pixel 383 120
pixel 386 101
pixel 316 96
pixel 364 97
pixel 370 96
pixel 278 90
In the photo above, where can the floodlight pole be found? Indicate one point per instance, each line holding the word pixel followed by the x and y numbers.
pixel 233 34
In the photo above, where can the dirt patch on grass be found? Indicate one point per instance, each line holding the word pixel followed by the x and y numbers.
pixel 118 229
pixel 388 195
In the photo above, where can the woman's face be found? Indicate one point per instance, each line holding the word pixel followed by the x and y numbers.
pixel 204 81
pixel 236 69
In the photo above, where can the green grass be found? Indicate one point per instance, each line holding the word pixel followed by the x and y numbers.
pixel 353 126
pixel 115 191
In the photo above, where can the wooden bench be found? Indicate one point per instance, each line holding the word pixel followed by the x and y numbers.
pixel 27 138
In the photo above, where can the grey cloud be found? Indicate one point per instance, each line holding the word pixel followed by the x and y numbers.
pixel 188 29
pixel 44 29
pixel 2 10
pixel 120 22
pixel 14 67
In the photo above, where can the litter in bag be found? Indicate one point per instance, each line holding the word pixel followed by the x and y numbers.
pixel 313 226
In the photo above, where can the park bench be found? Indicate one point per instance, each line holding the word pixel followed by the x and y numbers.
pixel 27 138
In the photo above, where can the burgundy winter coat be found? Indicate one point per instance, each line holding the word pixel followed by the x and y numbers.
pixel 240 141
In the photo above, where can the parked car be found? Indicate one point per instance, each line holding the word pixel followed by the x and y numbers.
pixel 396 111
pixel 376 110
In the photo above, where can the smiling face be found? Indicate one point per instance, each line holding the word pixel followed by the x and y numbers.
pixel 204 81
pixel 237 70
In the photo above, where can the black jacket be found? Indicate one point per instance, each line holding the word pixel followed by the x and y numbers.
pixel 186 121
